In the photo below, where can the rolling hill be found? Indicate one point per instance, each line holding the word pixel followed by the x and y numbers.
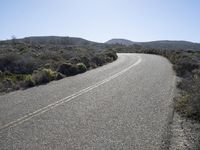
pixel 165 44
pixel 55 40
pixel 120 41
pixel 38 60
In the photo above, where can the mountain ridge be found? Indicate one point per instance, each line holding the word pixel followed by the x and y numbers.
pixel 76 41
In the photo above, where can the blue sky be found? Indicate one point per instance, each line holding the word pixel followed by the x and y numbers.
pixel 101 20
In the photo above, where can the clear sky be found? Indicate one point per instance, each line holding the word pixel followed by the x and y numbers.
pixel 101 20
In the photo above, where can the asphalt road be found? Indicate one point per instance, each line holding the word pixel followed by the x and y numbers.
pixel 122 105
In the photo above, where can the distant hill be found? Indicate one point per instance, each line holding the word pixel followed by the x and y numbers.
pixel 60 41
pixel 171 45
pixel 120 41
pixel 165 44
pixel 56 40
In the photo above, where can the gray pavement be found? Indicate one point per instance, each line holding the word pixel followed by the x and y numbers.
pixel 122 105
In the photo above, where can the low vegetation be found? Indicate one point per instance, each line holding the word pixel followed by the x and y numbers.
pixel 38 60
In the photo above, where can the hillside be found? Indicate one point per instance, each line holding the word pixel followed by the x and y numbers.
pixel 120 41
pixel 171 45
pixel 165 44
pixel 57 40
pixel 51 40
pixel 37 60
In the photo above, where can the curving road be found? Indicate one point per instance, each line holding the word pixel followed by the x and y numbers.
pixel 122 105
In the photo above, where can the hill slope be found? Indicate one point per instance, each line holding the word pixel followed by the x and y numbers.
pixel 56 40
pixel 120 41
pixel 37 60
pixel 171 45
pixel 165 44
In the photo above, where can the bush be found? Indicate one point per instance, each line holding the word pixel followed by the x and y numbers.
pixel 81 67
pixel 60 76
pixel 68 69
pixel 44 76
pixel 50 74
pixel 99 60
pixel 17 64
pixel 86 61
pixel 28 82
pixel 181 105
pixel 7 85
pixel 112 55
pixel 183 67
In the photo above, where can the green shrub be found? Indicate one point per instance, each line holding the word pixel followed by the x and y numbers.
pixel 81 67
pixel 99 60
pixel 181 104
pixel 60 76
pixel 68 69
pixel 112 55
pixel 28 82
pixel 17 64
pixel 21 47
pixel 86 61
pixel 50 74
pixel 44 76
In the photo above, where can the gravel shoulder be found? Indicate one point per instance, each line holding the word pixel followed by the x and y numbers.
pixel 185 134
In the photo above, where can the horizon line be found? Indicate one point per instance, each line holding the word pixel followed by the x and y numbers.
pixel 158 40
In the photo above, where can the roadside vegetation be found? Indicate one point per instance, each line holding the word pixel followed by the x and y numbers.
pixel 186 64
pixel 33 61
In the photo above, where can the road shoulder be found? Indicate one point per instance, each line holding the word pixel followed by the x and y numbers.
pixel 185 134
